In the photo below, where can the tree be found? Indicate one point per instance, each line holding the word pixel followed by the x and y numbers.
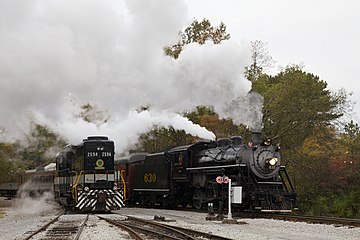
pixel 200 111
pixel 208 118
pixel 160 138
pixel 350 141
pixel 329 173
pixel 198 32
pixel 10 167
pixel 41 145
pixel 260 61
pixel 295 103
pixel 313 160
pixel 93 114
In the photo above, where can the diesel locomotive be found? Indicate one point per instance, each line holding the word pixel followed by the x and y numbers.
pixel 194 175
pixel 85 178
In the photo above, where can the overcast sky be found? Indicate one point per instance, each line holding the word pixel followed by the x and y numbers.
pixel 324 36
pixel 56 56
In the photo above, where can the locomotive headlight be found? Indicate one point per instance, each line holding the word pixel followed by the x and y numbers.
pixel 273 161
pixel 115 188
pixel 86 189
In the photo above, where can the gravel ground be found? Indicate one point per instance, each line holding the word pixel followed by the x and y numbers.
pixel 20 217
pixel 254 229
pixel 100 229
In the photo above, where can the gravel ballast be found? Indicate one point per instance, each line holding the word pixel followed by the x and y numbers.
pixel 21 216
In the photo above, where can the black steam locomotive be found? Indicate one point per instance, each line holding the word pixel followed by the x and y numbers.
pixel 85 179
pixel 195 174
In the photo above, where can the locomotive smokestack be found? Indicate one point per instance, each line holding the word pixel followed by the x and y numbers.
pixel 256 138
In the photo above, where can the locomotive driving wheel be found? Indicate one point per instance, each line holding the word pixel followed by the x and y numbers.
pixel 198 198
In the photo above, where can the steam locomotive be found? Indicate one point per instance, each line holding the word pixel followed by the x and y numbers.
pixel 85 178
pixel 195 175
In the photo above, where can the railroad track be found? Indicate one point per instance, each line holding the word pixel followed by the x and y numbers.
pixel 300 218
pixel 61 227
pixel 287 217
pixel 141 229
pixel 319 219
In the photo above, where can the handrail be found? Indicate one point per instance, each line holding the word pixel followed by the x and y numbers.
pixel 124 183
pixel 74 189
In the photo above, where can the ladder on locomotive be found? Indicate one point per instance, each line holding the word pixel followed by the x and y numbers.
pixel 285 179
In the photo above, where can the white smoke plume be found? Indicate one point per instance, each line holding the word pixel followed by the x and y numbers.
pixel 247 110
pixel 59 55
pixel 29 201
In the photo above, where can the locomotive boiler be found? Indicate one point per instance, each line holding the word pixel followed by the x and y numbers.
pixel 187 175
pixel 85 178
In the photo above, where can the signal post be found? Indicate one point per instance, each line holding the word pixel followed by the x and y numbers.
pixel 211 216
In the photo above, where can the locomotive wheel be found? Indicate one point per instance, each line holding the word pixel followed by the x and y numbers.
pixel 198 198
pixel 144 200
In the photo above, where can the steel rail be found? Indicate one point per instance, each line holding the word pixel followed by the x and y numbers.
pixel 169 232
pixel 191 234
pixel 302 218
pixel 132 233
pixel 81 229
pixel 157 233
pixel 166 229
pixel 320 219
pixel 44 227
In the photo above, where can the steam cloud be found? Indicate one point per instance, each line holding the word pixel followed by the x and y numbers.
pixel 26 203
pixel 58 55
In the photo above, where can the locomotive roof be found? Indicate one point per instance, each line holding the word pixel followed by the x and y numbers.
pixel 48 168
pixel 134 157
pixel 95 138
pixel 180 148
pixel 196 146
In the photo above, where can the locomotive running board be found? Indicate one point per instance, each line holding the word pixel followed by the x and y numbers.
pixel 151 189
pixel 215 167
pixel 273 183
pixel 276 211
